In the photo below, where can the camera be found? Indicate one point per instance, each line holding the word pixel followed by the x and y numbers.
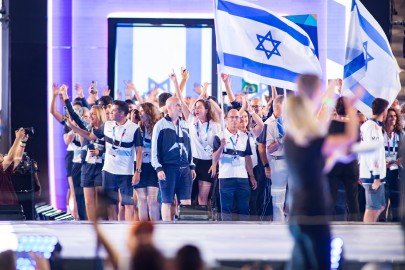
pixel 29 130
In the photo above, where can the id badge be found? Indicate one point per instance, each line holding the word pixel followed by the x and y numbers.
pixel 208 150
pixel 235 161
pixel 113 151
pixel 146 157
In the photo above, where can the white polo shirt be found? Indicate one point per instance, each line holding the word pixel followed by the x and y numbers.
pixel 272 136
pixel 120 143
pixel 202 137
pixel 372 163
pixel 232 163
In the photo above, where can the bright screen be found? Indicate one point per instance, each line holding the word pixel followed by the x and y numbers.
pixel 146 54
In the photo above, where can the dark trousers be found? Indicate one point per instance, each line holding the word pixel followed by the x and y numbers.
pixel 260 199
pixel 311 247
pixel 392 192
pixel 347 174
pixel 79 194
pixel 229 189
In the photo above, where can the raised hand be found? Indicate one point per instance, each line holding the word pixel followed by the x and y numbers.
pixel 55 89
pixel 128 90
pixel 63 91
pixel 79 90
pixel 204 90
pixel 185 74
pixel 19 134
pixel 225 77
pixel 106 91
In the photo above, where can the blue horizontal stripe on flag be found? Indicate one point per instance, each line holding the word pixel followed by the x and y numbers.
pixel 356 64
pixel 269 71
pixel 374 35
pixel 367 97
pixel 262 16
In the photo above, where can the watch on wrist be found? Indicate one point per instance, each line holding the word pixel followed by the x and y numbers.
pixel 138 170
pixel 267 165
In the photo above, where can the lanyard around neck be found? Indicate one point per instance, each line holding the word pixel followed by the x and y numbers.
pixel 197 127
pixel 122 136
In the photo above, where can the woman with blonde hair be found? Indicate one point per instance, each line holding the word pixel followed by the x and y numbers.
pixel 306 149
pixel 148 187
pixel 92 152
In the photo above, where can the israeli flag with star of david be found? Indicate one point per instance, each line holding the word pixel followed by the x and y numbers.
pixel 257 45
pixel 369 61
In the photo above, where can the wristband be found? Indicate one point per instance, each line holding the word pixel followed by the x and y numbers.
pixel 267 165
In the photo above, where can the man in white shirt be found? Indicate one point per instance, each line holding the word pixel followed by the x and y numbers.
pixel 235 168
pixel 373 166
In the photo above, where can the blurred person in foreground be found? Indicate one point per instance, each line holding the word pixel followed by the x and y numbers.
pixel 306 148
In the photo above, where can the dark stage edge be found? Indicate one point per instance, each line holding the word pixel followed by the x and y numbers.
pixel 224 245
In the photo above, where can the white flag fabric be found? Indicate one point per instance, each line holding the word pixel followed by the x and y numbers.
pixel 259 46
pixel 369 61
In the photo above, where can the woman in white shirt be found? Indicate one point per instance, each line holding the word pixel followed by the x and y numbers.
pixel 203 126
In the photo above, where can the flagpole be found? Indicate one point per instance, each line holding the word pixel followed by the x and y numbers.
pixel 220 66
pixel 285 96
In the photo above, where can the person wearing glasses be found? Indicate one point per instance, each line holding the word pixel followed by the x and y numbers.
pixel 233 152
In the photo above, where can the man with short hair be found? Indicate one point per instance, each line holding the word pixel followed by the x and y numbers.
pixel 172 158
pixel 373 166
pixel 235 168
pixel 122 140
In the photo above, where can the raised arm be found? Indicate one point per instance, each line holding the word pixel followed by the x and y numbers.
pixel 274 94
pixel 55 91
pixel 131 87
pixel 113 256
pixel 14 149
pixel 328 104
pixel 184 107
pixel 258 128
pixel 82 132
pixel 227 82
pixel 80 94
pixel 184 78
pixel 339 141
pixel 73 115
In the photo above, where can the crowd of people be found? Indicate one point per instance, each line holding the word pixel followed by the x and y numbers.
pixel 152 153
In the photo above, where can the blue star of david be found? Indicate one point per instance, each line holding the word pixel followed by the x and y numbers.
pixel 269 38
pixel 368 56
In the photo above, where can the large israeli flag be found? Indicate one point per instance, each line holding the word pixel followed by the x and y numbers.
pixel 369 60
pixel 259 46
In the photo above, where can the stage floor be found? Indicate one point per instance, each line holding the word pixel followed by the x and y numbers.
pixel 243 241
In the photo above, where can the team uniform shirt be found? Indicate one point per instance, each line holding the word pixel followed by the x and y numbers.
pixel 391 146
pixel 202 137
pixel 274 133
pixel 232 163
pixel 120 143
pixel 372 164
pixel 171 145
